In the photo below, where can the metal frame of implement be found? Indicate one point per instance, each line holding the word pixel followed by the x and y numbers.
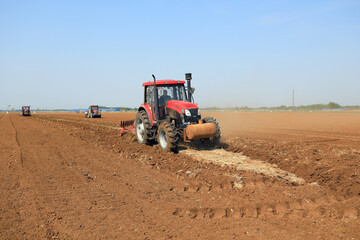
pixel 124 125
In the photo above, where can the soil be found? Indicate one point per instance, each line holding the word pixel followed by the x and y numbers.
pixel 275 176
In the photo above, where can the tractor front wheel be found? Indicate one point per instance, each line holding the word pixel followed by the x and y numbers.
pixel 167 137
pixel 142 127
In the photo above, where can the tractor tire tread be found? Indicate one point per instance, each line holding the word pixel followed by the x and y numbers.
pixel 217 138
pixel 143 115
pixel 172 141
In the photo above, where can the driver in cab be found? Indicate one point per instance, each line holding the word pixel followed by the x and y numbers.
pixel 164 98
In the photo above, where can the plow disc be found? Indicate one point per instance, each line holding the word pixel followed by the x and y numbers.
pixel 127 126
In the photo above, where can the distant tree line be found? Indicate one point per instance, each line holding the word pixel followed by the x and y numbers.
pixel 119 108
pixel 312 107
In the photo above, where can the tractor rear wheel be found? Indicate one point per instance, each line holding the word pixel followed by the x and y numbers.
pixel 142 127
pixel 167 137
pixel 216 139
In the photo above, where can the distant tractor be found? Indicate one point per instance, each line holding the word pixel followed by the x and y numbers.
pixel 172 116
pixel 25 111
pixel 93 112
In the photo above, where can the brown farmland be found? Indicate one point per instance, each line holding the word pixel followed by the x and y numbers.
pixel 278 176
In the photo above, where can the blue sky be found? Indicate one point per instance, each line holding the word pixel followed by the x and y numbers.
pixel 67 54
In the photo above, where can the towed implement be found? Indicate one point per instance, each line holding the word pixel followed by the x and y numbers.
pixel 172 116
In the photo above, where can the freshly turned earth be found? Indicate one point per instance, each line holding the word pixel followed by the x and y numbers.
pixel 276 176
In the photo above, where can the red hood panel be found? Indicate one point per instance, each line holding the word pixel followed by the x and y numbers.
pixel 180 105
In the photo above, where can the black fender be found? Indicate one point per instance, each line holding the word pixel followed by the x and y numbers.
pixel 174 115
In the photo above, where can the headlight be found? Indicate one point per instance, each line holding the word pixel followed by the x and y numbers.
pixel 187 113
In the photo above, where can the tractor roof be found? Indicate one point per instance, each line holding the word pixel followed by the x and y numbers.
pixel 26 106
pixel 164 82
pixel 93 105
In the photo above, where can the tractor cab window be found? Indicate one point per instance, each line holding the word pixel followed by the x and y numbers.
pixel 150 94
pixel 171 92
pixel 94 108
pixel 166 93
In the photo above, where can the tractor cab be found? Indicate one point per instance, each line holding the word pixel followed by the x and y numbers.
pixel 25 111
pixel 94 108
pixel 173 102
pixel 93 112
pixel 168 92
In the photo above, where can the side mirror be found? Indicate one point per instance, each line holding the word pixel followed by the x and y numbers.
pixel 192 90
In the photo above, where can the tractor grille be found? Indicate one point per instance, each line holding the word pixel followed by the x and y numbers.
pixel 193 117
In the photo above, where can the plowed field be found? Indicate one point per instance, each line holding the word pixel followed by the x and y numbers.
pixel 276 176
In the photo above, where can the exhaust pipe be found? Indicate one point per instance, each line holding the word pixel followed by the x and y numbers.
pixel 156 96
pixel 188 78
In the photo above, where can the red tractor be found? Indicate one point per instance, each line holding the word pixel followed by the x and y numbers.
pixel 25 111
pixel 93 112
pixel 172 116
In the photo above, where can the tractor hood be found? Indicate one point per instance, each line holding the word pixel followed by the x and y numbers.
pixel 180 106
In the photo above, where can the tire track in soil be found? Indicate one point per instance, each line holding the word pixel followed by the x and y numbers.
pixel 10 217
pixel 52 218
pixel 318 205
pixel 288 209
pixel 17 141
pixel 35 222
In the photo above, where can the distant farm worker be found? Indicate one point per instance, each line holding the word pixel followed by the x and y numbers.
pixel 164 98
